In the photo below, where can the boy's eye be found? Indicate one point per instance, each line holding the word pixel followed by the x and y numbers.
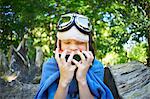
pixel 80 43
pixel 67 42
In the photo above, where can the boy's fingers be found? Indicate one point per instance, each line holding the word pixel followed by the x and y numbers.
pixel 56 54
pixel 70 57
pixel 81 56
pixel 63 55
pixel 91 54
pixel 76 62
pixel 86 54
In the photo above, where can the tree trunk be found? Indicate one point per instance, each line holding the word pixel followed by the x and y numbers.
pixel 148 59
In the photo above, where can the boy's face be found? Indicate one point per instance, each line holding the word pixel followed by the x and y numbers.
pixel 73 45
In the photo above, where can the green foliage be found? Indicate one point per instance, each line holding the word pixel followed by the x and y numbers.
pixel 113 24
pixel 113 58
pixel 138 52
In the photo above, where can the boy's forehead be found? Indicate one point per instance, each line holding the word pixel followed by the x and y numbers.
pixel 71 40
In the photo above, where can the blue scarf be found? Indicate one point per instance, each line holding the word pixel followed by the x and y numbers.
pixel 50 78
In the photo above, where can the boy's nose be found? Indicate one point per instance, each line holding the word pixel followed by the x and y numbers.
pixel 73 47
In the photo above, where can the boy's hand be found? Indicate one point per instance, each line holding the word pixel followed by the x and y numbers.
pixel 65 67
pixel 83 65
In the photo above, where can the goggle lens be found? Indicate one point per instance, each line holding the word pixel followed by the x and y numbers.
pixel 83 22
pixel 64 21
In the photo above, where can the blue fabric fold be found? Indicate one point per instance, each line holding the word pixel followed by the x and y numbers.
pixel 50 78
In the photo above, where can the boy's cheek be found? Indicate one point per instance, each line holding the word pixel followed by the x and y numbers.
pixel 60 51
pixel 82 49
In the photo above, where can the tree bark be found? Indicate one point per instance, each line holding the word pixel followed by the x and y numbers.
pixel 148 60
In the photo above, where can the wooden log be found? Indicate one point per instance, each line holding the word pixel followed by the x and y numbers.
pixel 132 80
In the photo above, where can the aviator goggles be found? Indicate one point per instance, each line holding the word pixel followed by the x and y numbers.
pixel 81 22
